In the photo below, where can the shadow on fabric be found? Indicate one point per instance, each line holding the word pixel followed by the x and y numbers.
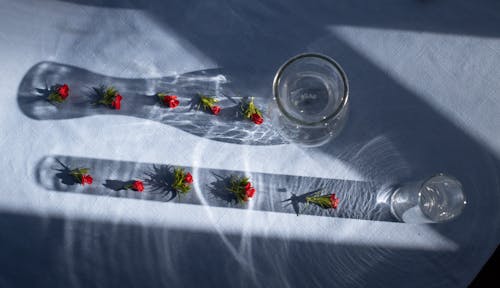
pixel 62 252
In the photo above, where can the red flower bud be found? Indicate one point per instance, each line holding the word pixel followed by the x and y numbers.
pixel 248 186
pixel 215 110
pixel 138 186
pixel 116 102
pixel 63 91
pixel 188 178
pixel 86 179
pixel 250 192
pixel 257 119
pixel 171 101
pixel 334 201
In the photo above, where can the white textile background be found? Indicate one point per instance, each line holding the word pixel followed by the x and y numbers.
pixel 424 99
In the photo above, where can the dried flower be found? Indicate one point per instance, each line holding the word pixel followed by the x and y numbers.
pixel 109 97
pixel 63 91
pixel 324 201
pixel 58 93
pixel 242 188
pixel 81 175
pixel 137 186
pixel 215 110
pixel 251 112
pixel 257 119
pixel 117 102
pixel 182 180
pixel 169 100
pixel 208 103
pixel 87 179
pixel 188 178
pixel 250 192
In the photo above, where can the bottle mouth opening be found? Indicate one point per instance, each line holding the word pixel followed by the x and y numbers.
pixel 451 178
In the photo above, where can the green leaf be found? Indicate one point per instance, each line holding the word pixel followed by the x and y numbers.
pixel 55 97
pixel 322 201
pixel 81 171
pixel 84 170
pixel 207 101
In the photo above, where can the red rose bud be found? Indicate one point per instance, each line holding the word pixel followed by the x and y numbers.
pixel 81 176
pixel 250 192
pixel 188 178
pixel 182 181
pixel 215 110
pixel 334 201
pixel 86 179
pixel 63 91
pixel 208 103
pixel 117 102
pixel 171 101
pixel 241 188
pixel 58 93
pixel 109 97
pixel 248 186
pixel 138 186
pixel 324 201
pixel 257 119
pixel 251 112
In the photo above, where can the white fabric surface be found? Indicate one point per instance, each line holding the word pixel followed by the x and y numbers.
pixel 425 99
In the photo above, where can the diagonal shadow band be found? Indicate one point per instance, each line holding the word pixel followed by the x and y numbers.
pixel 411 15
pixel 275 193
pixel 139 100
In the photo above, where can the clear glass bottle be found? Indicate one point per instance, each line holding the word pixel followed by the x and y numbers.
pixel 437 199
pixel 311 99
